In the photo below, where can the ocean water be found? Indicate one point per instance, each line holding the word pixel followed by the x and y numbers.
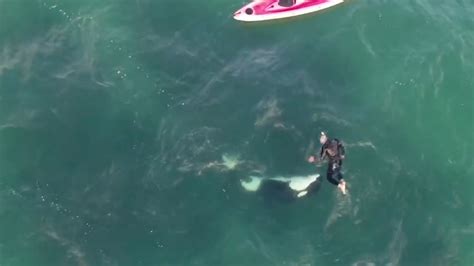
pixel 127 127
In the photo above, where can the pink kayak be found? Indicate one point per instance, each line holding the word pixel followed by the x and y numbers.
pixel 260 10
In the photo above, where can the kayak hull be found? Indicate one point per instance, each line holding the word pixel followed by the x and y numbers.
pixel 262 10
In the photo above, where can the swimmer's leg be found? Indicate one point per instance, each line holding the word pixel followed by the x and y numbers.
pixel 330 174
pixel 337 177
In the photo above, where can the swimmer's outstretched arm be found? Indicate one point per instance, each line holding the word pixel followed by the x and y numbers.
pixel 322 156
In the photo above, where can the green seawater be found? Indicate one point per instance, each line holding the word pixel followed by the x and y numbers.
pixel 126 128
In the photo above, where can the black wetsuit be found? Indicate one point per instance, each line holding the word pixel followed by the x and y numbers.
pixel 334 150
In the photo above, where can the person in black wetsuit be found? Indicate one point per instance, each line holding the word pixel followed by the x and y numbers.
pixel 334 150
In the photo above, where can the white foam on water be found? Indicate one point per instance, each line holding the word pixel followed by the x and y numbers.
pixel 230 161
pixel 342 208
pixel 269 112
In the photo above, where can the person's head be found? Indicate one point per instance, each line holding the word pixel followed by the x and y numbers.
pixel 323 138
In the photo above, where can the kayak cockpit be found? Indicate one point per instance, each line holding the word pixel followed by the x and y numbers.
pixel 286 3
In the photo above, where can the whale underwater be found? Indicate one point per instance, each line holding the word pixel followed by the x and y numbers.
pixel 285 187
